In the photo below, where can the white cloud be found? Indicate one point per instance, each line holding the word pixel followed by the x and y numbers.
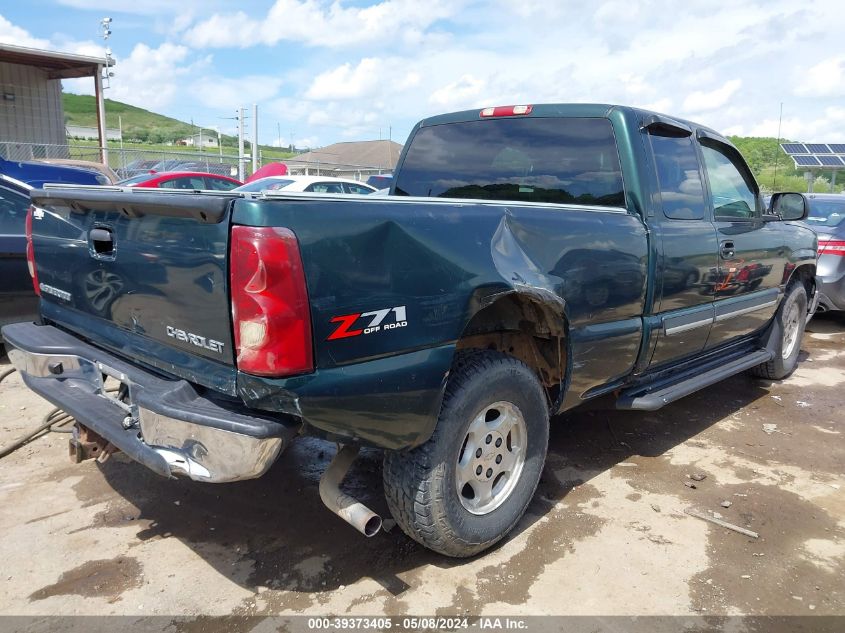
pixel 226 94
pixel 152 77
pixel 701 101
pixel 149 78
pixel 318 23
pixel 15 35
pixel 822 129
pixel 661 105
pixel 346 81
pixel 464 92
pixel 634 84
pixel 371 77
pixel 825 79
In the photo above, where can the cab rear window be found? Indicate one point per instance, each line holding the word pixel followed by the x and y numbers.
pixel 558 160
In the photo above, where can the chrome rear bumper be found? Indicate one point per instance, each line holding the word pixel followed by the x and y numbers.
pixel 163 423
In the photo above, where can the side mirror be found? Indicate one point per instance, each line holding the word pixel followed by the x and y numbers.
pixel 790 206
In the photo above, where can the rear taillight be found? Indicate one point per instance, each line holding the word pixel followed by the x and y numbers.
pixel 515 110
pixel 271 317
pixel 30 252
pixel 832 247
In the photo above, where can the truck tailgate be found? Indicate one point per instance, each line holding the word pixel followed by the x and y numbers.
pixel 142 273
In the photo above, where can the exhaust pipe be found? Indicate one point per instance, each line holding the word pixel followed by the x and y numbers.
pixel 353 512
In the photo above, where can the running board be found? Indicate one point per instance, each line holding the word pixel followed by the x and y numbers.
pixel 657 396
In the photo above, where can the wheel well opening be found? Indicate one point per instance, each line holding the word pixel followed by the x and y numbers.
pixel 527 329
pixel 805 275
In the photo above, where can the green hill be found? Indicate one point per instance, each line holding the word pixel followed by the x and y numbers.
pixel 138 124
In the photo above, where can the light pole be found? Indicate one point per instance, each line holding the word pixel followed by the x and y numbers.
pixel 254 137
pixel 240 116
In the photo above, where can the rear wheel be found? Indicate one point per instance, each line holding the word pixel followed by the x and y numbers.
pixel 468 486
pixel 791 318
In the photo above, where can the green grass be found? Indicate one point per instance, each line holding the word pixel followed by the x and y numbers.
pixel 81 110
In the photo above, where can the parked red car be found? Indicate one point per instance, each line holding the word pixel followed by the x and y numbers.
pixel 191 180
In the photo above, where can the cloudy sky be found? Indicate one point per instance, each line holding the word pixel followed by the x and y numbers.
pixel 324 71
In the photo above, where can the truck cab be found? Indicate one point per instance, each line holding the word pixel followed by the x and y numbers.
pixel 528 258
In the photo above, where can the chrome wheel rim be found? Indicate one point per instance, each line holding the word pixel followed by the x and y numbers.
pixel 791 325
pixel 491 457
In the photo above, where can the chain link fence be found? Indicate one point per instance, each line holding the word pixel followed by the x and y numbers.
pixel 126 162
pixel 131 162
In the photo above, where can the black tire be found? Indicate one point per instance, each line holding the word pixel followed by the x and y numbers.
pixel 780 367
pixel 421 484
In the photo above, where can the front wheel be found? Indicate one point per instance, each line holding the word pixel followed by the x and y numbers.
pixel 791 318
pixel 469 484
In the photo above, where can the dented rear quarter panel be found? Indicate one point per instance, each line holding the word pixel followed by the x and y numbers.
pixel 443 261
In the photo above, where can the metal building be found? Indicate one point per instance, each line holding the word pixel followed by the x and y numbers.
pixel 31 108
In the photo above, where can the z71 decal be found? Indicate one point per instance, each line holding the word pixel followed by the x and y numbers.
pixel 368 322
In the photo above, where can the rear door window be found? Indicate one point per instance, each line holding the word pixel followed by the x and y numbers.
pixel 679 176
pixel 558 160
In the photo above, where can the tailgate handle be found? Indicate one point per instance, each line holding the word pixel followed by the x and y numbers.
pixel 102 241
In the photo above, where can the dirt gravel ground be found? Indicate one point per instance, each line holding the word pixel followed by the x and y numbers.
pixel 605 535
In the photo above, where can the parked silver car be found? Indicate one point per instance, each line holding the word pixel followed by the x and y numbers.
pixel 827 219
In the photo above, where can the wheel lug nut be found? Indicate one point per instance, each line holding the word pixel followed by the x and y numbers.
pixel 478 453
pixel 489 472
pixel 498 442
pixel 488 439
pixel 498 459
pixel 478 470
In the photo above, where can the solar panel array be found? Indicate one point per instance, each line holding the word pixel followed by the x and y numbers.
pixel 821 155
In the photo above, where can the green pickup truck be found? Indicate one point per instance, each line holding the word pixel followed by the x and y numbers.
pixel 527 259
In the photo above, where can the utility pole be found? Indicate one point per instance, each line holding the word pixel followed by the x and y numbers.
pixel 254 137
pixel 777 150
pixel 122 153
pixel 240 116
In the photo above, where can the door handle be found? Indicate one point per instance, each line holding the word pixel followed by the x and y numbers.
pixel 726 249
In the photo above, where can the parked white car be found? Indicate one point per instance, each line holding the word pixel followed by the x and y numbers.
pixel 319 184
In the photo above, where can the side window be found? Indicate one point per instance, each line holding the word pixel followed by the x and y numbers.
pixel 13 207
pixel 353 188
pixel 679 177
pixel 218 184
pixel 325 187
pixel 184 183
pixel 732 194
